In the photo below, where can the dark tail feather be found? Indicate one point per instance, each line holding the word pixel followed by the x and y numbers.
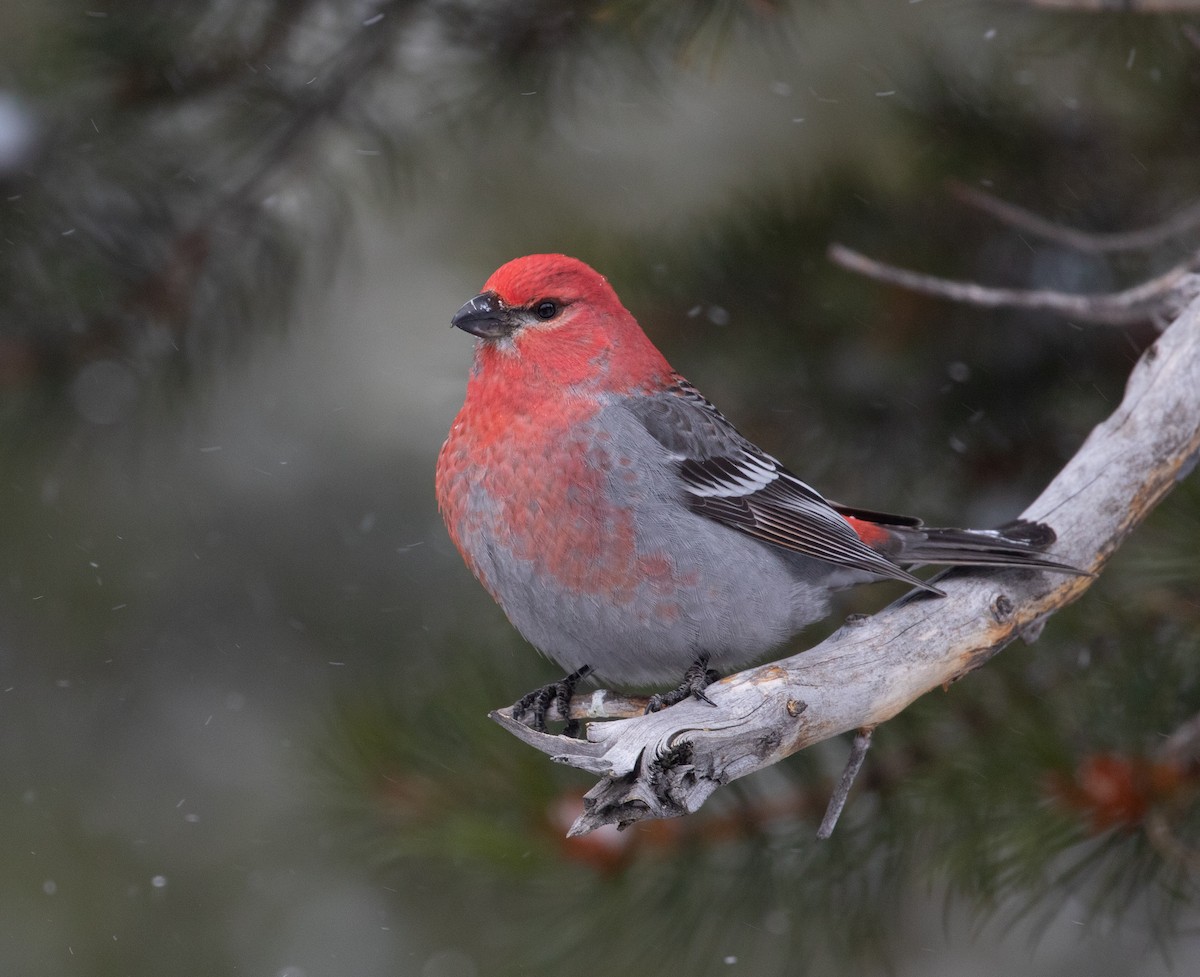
pixel 1016 544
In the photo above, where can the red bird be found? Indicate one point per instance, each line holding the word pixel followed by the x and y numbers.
pixel 622 523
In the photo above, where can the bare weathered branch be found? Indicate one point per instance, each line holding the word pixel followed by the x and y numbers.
pixel 668 763
pixel 1114 309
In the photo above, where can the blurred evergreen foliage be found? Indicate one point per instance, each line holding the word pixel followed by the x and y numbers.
pixel 178 179
pixel 172 173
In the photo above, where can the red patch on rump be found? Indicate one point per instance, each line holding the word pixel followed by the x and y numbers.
pixel 871 533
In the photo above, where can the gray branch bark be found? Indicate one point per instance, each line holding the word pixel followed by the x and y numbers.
pixel 668 763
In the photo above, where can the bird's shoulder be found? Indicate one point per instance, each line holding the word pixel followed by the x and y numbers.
pixel 685 422
pixel 713 458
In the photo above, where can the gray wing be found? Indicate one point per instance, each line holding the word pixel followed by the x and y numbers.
pixel 728 479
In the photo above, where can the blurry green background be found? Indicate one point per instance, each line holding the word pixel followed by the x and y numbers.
pixel 244 677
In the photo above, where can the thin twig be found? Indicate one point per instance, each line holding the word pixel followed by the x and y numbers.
pixel 1183 745
pixel 1090 242
pixel 858 753
pixel 1114 308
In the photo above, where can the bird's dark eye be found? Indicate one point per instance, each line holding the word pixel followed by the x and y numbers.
pixel 547 310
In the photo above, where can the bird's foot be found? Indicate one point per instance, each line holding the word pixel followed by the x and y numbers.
pixel 696 679
pixel 537 702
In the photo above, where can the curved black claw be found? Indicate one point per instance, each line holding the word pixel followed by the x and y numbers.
pixel 696 679
pixel 538 702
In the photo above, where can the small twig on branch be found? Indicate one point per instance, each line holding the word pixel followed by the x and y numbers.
pixel 1116 308
pixel 668 763
pixel 858 753
pixel 1090 242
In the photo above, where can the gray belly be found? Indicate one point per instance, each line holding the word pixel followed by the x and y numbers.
pixel 710 590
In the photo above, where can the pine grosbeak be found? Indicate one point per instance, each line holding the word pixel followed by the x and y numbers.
pixel 621 521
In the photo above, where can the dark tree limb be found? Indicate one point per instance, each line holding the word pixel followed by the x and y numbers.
pixel 668 763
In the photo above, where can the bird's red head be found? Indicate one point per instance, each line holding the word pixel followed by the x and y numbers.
pixel 538 277
pixel 548 317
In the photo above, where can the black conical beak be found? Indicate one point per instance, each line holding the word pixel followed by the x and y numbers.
pixel 485 316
